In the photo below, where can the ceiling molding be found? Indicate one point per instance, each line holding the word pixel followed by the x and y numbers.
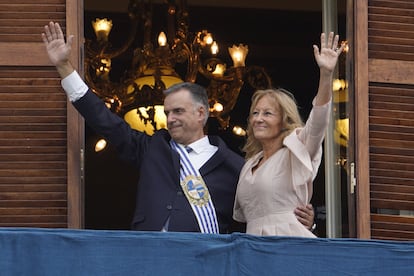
pixel 299 5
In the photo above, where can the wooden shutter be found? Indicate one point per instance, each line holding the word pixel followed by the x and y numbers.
pixel 386 113
pixel 40 134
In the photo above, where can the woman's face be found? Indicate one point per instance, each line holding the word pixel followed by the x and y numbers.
pixel 266 119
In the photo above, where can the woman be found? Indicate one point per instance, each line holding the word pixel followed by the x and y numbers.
pixel 283 156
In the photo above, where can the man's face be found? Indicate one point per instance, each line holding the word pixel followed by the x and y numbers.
pixel 185 119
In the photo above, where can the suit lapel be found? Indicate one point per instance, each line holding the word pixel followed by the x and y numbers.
pixel 216 159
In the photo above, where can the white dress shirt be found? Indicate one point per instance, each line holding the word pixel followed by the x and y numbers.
pixel 201 152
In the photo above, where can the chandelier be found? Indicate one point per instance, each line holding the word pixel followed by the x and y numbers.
pixel 138 95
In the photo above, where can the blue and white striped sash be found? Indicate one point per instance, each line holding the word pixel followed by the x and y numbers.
pixel 196 192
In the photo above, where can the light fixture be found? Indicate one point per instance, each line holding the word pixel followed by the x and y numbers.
pixel 340 99
pixel 239 131
pixel 100 145
pixel 138 97
pixel 102 29
pixel 341 102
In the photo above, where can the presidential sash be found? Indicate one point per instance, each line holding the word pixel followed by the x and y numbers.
pixel 196 192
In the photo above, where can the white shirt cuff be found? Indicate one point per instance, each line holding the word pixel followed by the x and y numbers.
pixel 74 86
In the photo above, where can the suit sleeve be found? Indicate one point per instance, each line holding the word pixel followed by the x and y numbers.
pixel 131 144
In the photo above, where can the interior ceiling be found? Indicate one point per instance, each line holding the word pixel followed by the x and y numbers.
pixel 300 5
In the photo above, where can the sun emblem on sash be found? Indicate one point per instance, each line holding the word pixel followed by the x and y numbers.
pixel 195 190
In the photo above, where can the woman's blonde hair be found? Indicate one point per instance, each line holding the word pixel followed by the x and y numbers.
pixel 289 111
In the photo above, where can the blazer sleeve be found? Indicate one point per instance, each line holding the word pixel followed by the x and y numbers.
pixel 131 144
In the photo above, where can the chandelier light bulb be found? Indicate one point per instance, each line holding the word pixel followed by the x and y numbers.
pixel 346 48
pixel 102 28
pixel 336 85
pixel 339 84
pixel 100 145
pixel 162 39
pixel 208 39
pixel 239 131
pixel 219 70
pixel 218 107
pixel 238 54
pixel 214 48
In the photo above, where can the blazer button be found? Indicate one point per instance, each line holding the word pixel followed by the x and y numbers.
pixel 169 207
pixel 179 193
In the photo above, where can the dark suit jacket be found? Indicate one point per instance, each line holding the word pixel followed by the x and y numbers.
pixel 159 193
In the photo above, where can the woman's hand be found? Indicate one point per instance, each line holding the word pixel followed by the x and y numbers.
pixel 327 56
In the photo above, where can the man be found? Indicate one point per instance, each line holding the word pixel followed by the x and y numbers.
pixel 187 179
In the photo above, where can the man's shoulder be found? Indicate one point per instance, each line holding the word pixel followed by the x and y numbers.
pixel 162 133
pixel 160 136
pixel 224 149
pixel 218 142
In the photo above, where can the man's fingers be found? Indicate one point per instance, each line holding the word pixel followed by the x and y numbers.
pixel 59 31
pixel 44 38
pixel 301 220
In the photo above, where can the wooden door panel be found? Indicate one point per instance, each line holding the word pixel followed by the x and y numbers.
pixel 388 63
pixel 39 174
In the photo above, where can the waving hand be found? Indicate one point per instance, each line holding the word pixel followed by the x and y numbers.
pixel 328 55
pixel 57 49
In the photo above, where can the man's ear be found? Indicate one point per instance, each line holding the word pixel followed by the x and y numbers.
pixel 202 113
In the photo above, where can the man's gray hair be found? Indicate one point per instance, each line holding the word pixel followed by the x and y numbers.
pixel 198 93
